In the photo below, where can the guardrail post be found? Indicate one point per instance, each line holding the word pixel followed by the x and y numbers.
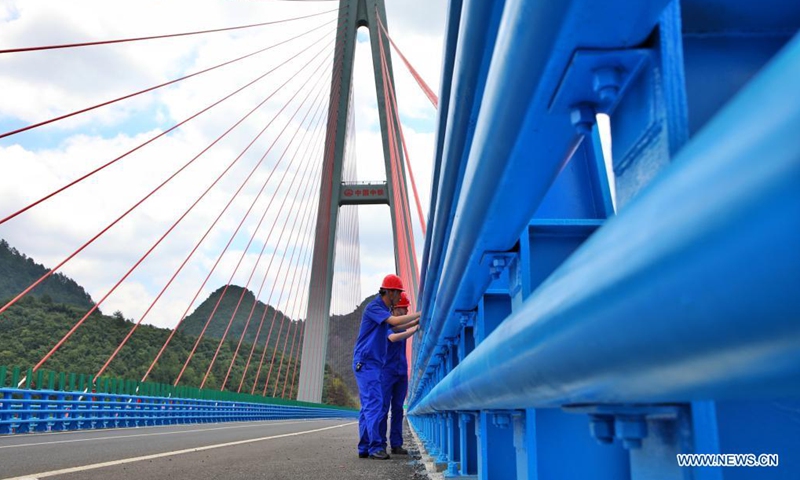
pixel 465 434
pixel 566 448
pixel 453 444
pixel 452 452
pixel 492 310
pixel 496 455
pixel 441 441
pixel 5 406
pixel 435 444
pixel 468 444
pixel 756 427
pixel 524 446
pixel 495 450
pixel 448 429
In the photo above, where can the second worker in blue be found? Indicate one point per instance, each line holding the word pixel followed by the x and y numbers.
pixel 394 379
pixel 369 357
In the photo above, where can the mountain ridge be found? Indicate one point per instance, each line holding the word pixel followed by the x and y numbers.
pixel 30 327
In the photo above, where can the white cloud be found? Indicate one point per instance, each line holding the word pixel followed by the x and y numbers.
pixel 39 85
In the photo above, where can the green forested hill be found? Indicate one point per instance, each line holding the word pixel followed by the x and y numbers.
pixel 339 379
pixel 193 324
pixel 342 336
pixel 31 327
pixel 18 271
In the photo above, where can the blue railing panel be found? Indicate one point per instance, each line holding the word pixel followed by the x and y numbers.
pixel 26 411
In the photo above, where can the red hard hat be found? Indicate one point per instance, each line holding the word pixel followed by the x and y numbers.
pixel 403 302
pixel 392 282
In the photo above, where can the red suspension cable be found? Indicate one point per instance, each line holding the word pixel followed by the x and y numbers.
pixel 297 295
pixel 280 210
pixel 219 258
pixel 109 226
pixel 288 363
pixel 156 87
pixel 255 300
pixel 154 37
pixel 297 359
pixel 294 310
pixel 244 253
pixel 424 86
pixel 280 297
pixel 244 373
pixel 306 225
pixel 274 352
pixel 399 192
pixel 158 242
pixel 197 245
pixel 307 221
pixel 314 154
pixel 396 114
pixel 309 208
pixel 199 338
pixel 152 139
pixel 327 178
pixel 283 355
pixel 393 99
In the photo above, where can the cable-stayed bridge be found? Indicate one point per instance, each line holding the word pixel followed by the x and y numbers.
pixel 607 267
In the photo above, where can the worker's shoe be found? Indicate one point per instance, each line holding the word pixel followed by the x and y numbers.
pixel 399 451
pixel 363 455
pixel 379 455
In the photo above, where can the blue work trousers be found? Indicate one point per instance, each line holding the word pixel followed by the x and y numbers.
pixel 368 378
pixel 395 386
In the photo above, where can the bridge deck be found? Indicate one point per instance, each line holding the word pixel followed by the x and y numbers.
pixel 272 449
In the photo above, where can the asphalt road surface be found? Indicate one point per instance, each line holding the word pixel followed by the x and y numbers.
pixel 286 449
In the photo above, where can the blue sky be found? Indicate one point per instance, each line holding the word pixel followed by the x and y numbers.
pixel 39 85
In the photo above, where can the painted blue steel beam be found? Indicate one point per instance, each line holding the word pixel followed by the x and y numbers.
pixel 450 44
pixel 520 144
pixel 478 29
pixel 692 292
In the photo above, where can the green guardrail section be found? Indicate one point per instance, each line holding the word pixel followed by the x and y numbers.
pixel 15 377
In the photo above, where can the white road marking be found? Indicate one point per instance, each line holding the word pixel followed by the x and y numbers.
pixel 95 439
pixel 114 429
pixel 112 463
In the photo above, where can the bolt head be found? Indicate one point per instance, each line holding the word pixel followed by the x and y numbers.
pixel 602 428
pixel 501 420
pixel 582 117
pixel 607 77
pixel 628 428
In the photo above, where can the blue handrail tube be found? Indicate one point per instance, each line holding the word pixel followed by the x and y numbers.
pixel 519 145
pixel 691 293
pixel 451 40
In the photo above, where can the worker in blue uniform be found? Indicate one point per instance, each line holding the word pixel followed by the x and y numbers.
pixel 368 359
pixel 394 379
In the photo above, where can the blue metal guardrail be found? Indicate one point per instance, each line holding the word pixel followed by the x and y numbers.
pixel 44 401
pixel 28 411
pixel 576 327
